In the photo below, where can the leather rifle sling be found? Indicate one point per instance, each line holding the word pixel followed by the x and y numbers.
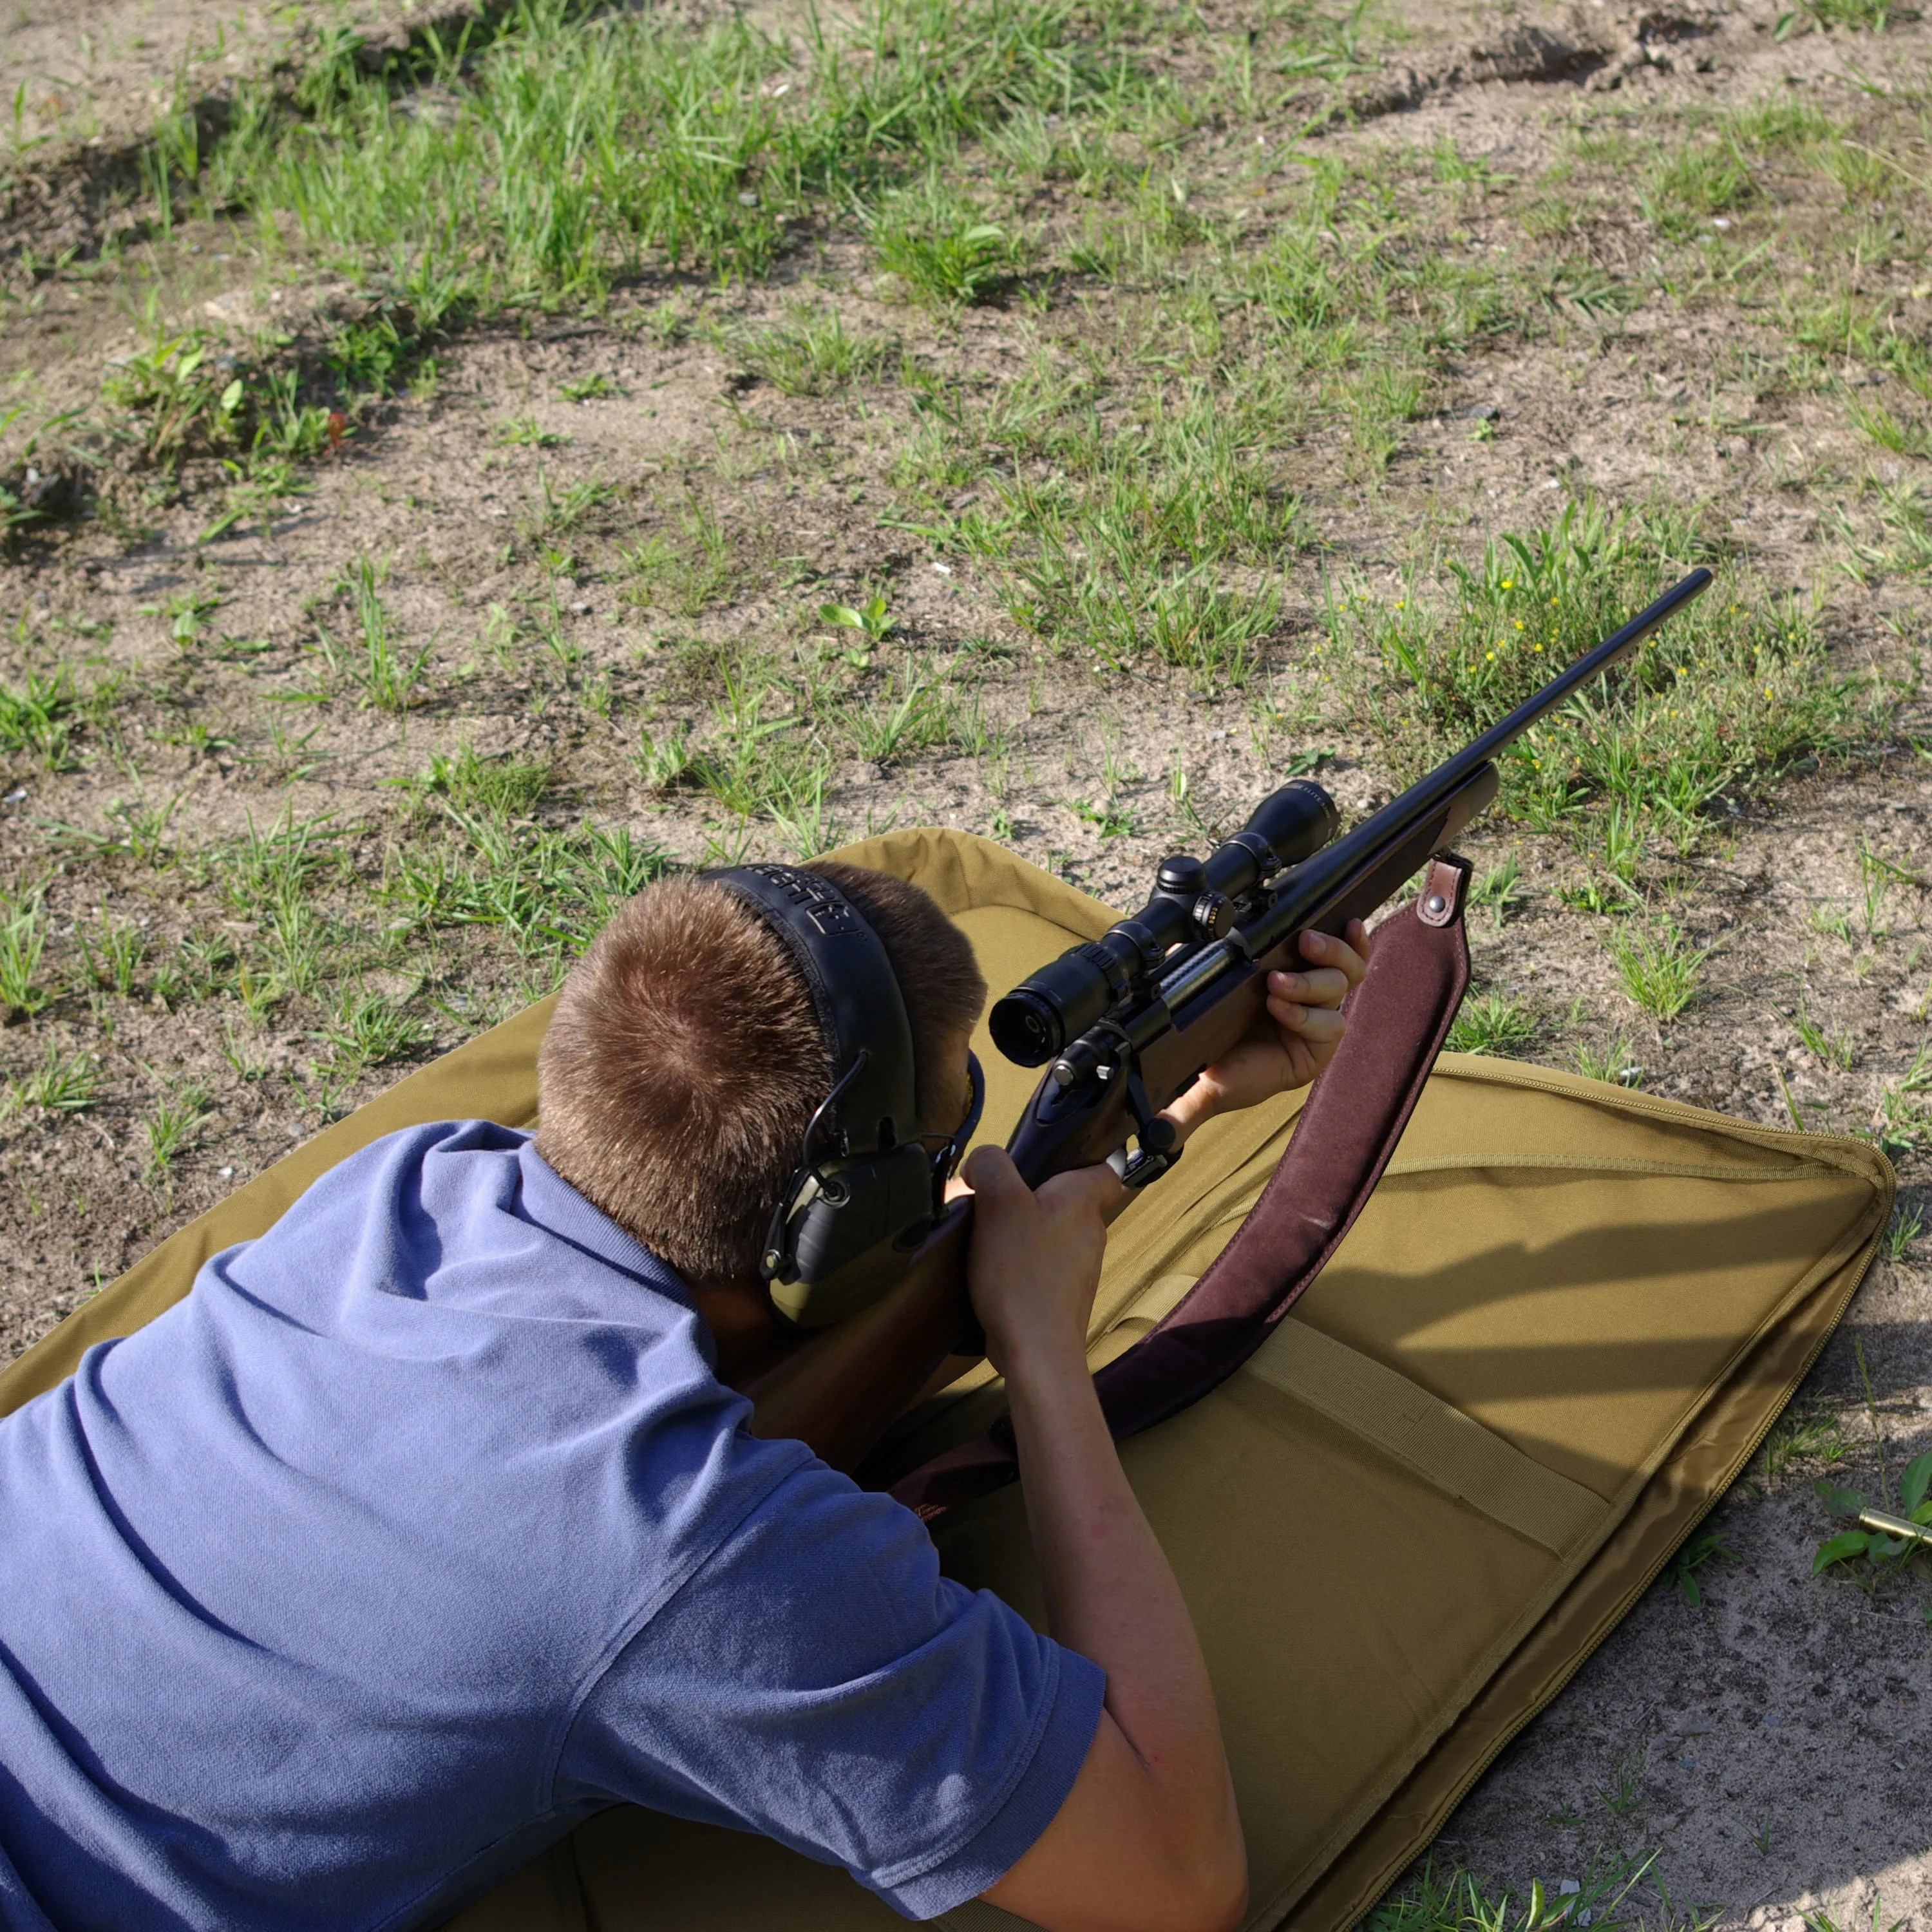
pixel 1398 1018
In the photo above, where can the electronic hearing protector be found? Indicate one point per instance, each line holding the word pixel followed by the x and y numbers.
pixel 867 1189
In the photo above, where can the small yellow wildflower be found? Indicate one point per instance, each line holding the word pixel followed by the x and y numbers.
pixel 1538 647
pixel 1518 623
pixel 1508 583
pixel 1489 657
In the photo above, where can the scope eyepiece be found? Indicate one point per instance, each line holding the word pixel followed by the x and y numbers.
pixel 1027 1028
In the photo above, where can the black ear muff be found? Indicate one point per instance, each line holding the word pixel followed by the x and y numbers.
pixel 844 1241
pixel 862 1197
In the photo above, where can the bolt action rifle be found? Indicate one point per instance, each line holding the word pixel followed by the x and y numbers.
pixel 1127 1023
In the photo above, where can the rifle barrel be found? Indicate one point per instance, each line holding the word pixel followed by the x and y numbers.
pixel 1313 884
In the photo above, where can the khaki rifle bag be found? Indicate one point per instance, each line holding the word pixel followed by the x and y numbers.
pixel 1557 1330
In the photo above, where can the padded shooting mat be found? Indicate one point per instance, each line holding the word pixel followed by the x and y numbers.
pixel 1562 1326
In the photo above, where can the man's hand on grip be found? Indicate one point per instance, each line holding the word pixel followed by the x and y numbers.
pixel 1035 1255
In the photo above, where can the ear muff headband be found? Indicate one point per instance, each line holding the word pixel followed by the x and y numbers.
pixel 856 995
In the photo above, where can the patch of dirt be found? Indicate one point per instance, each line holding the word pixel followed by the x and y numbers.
pixel 87 80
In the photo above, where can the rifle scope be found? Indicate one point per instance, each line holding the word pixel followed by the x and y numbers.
pixel 1193 903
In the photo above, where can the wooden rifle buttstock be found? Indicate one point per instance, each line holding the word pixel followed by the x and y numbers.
pixel 839 1392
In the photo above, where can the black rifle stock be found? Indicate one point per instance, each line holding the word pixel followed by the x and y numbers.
pixel 1166 995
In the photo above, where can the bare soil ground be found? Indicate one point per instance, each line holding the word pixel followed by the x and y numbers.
pixel 313 771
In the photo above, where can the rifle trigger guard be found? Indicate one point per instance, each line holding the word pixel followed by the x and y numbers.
pixel 1156 1152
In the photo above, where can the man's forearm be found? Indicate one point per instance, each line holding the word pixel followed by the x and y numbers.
pixel 1148 1839
pixel 1111 1596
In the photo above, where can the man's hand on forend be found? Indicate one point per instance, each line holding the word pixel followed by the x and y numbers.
pixel 1295 1036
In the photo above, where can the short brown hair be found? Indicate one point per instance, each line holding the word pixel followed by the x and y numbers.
pixel 685 1057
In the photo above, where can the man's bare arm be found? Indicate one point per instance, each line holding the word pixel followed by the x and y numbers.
pixel 1148 1840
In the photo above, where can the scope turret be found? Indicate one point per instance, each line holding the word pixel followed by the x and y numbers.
pixel 1192 902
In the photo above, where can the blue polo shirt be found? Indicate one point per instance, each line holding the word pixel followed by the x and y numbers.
pixel 421 1532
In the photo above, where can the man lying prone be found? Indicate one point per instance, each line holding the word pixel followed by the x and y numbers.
pixel 429 1524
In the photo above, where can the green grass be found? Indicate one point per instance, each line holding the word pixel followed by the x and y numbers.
pixel 1685 191
pixel 1835 1047
pixel 1494 1023
pixel 499 785
pixel 547 892
pixel 1907 1225
pixel 574 149
pixel 805 825
pixel 23 942
pixel 1706 1544
pixel 1727 692
pixel 942 250
pixel 1857 16
pixel 685 567
pixel 526 433
pixel 555 511
pixel 1128 547
pixel 1614 1064
pixel 38 717
pixel 382 671
pixel 1660 970
pixel 812 353
pixel 1446 1898
pixel 1500 889
pixel 112 952
pixel 63 1083
pixel 371 1029
pixel 1902 1121
pixel 172 1125
pixel 183 396
pixel 1903 436
pixel 260 870
pixel 898 716
pixel 1803 1434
